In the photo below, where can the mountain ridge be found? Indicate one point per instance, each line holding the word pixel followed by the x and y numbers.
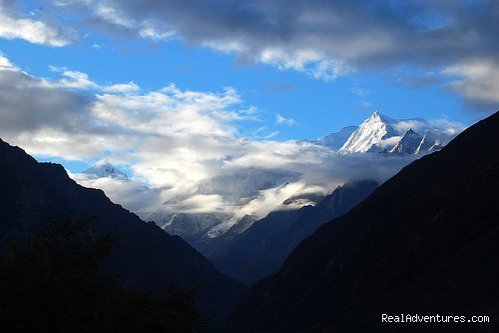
pixel 380 133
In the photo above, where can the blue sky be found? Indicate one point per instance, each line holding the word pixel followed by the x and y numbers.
pixel 317 107
pixel 296 69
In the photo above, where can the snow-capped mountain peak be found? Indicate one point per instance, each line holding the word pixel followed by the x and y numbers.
pixel 105 170
pixel 370 133
pixel 408 144
pixel 382 134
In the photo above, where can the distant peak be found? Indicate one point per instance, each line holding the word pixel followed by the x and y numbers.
pixel 105 169
pixel 411 133
pixel 380 133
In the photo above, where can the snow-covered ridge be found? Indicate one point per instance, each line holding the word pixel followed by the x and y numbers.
pixel 382 134
pixel 371 132
pixel 337 139
pixel 409 143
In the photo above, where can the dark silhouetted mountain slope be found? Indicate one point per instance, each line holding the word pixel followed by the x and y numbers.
pixel 425 242
pixel 33 194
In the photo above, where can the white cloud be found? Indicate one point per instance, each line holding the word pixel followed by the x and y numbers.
pixel 33 31
pixel 78 80
pixel 421 125
pixel 131 194
pixel 171 110
pixel 113 14
pixel 149 29
pixel 72 79
pixel 122 88
pixel 5 63
pixel 152 33
pixel 198 203
pixel 313 63
pixel 477 80
pixel 280 120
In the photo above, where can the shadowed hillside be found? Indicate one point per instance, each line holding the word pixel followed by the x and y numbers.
pixel 143 256
pixel 425 242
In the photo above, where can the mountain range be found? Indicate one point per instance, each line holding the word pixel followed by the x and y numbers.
pixel 239 193
pixel 383 134
pixel 425 242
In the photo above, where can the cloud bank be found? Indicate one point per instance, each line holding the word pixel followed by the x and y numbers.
pixel 184 145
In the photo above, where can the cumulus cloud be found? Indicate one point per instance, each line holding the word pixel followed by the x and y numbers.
pixel 122 88
pixel 41 117
pixel 80 81
pixel 14 26
pixel 71 79
pixel 477 80
pixel 5 63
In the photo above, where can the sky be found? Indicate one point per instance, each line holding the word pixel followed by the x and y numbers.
pixel 172 91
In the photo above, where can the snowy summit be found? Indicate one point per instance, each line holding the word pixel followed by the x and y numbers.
pixel 105 170
pixel 382 134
